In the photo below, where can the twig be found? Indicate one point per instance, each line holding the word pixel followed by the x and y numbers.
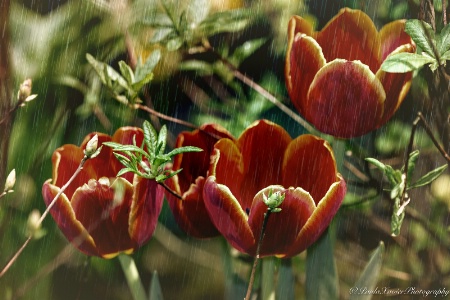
pixel 167 188
pixel 263 92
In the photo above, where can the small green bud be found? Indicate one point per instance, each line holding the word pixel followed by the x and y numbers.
pixel 273 200
pixel 33 222
pixel 91 147
pixel 10 181
pixel 24 91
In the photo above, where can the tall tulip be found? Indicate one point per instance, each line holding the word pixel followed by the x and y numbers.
pixel 265 159
pixel 334 78
pixel 100 214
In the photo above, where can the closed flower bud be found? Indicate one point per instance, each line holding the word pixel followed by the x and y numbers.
pixel 24 90
pixel 10 181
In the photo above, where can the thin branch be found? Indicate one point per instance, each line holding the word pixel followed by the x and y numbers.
pixel 172 192
pixel 255 261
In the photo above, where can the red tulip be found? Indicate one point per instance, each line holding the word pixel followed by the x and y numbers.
pixel 334 78
pixel 100 214
pixel 265 158
pixel 190 212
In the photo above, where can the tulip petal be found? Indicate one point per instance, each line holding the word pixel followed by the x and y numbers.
pixel 282 227
pixel 351 35
pixel 195 164
pixel 64 217
pixel 103 210
pixel 262 145
pixel 66 160
pixel 396 86
pixel 146 206
pixel 320 219
pixel 309 163
pixel 228 168
pixel 345 99
pixel 304 59
pixel 299 25
pixel 392 36
pixel 190 212
pixel 227 215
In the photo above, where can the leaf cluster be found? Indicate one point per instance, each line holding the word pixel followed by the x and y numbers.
pixel 148 160
pixel 435 49
pixel 186 23
pixel 127 81
pixel 401 182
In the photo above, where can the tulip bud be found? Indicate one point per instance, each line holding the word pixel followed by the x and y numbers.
pixel 10 181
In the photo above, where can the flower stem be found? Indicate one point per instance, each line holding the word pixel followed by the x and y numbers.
pixel 255 262
pixel 63 188
pixel 167 188
pixel 132 275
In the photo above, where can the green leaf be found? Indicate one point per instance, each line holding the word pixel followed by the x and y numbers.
pixel 203 68
pixel 142 71
pixel 412 165
pixel 127 72
pixel 285 288
pixel 197 11
pixel 123 171
pixel 155 292
pixel 420 32
pixel 445 56
pixel 394 176
pixel 405 62
pixel 376 163
pixel 429 177
pixel 321 274
pixel 107 74
pixel 161 144
pixel 444 40
pixel 131 148
pixel 247 49
pixel 397 219
pixel 369 276
pixel 226 21
pixel 183 150
pixel 174 44
pixel 132 276
pixel 150 137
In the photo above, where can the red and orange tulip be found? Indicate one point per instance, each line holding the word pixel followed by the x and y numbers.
pixel 265 158
pixel 334 78
pixel 190 212
pixel 100 214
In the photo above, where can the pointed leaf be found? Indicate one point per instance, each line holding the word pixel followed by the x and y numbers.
pixel 429 177
pixel 369 277
pixel 123 171
pixel 183 150
pixel 405 62
pixel 162 137
pixel 376 163
pixel 397 219
pixel 321 274
pixel 444 40
pixel 155 292
pixel 150 137
pixel 127 72
pixel 142 71
pixel 421 33
pixel 197 11
pixel 412 165
pixel 247 49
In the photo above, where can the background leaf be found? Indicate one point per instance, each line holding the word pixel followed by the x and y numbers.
pixel 369 276
pixel 321 274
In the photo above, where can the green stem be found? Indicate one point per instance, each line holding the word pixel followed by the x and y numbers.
pixel 267 282
pixel 255 262
pixel 132 275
